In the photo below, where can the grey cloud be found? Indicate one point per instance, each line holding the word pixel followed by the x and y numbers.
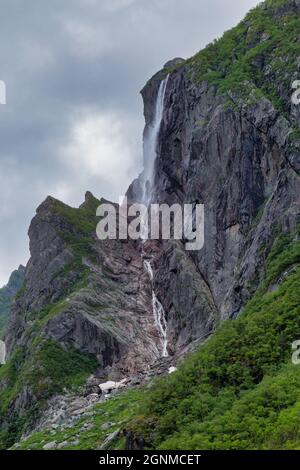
pixel 65 61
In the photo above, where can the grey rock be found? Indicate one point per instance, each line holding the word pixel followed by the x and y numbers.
pixel 109 439
pixel 50 445
pixel 63 444
pixel 87 427
pixel 75 443
pixel 106 426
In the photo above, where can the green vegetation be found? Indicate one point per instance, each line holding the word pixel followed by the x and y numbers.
pixel 59 368
pixel 240 390
pixel 83 219
pixel 294 136
pixel 43 368
pixel 81 225
pixel 7 294
pixel 46 368
pixel 256 58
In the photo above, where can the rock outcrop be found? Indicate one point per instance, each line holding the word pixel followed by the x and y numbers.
pixel 8 293
pixel 100 296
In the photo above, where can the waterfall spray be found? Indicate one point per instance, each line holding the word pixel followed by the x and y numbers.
pixel 150 154
pixel 151 141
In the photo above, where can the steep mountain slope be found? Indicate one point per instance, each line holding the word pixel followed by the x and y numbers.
pixel 240 390
pixel 7 293
pixel 86 307
pixel 228 137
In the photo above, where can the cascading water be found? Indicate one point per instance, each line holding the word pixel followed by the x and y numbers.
pixel 158 312
pixel 160 320
pixel 2 352
pixel 148 268
pixel 150 151
pixel 150 142
pixel 150 154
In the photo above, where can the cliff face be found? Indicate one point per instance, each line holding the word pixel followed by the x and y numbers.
pixel 90 294
pixel 228 138
pixel 7 294
pixel 234 160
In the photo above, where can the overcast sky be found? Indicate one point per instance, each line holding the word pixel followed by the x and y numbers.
pixel 73 119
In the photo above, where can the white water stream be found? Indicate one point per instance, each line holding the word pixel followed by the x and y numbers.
pixel 2 352
pixel 150 154
pixel 158 313
pixel 150 142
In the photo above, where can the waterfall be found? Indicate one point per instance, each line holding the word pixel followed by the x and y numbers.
pixel 2 352
pixel 160 321
pixel 151 140
pixel 149 269
pixel 150 154
pixel 158 313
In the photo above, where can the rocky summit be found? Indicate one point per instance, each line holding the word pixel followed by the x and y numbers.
pixel 97 321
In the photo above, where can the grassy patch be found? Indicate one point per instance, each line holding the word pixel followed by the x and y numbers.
pixel 81 226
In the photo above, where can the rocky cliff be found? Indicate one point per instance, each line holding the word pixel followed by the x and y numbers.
pixel 7 294
pixel 90 294
pixel 228 138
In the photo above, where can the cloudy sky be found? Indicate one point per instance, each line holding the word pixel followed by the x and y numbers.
pixel 73 119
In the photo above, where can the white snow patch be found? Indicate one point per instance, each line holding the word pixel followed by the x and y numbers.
pixel 108 386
